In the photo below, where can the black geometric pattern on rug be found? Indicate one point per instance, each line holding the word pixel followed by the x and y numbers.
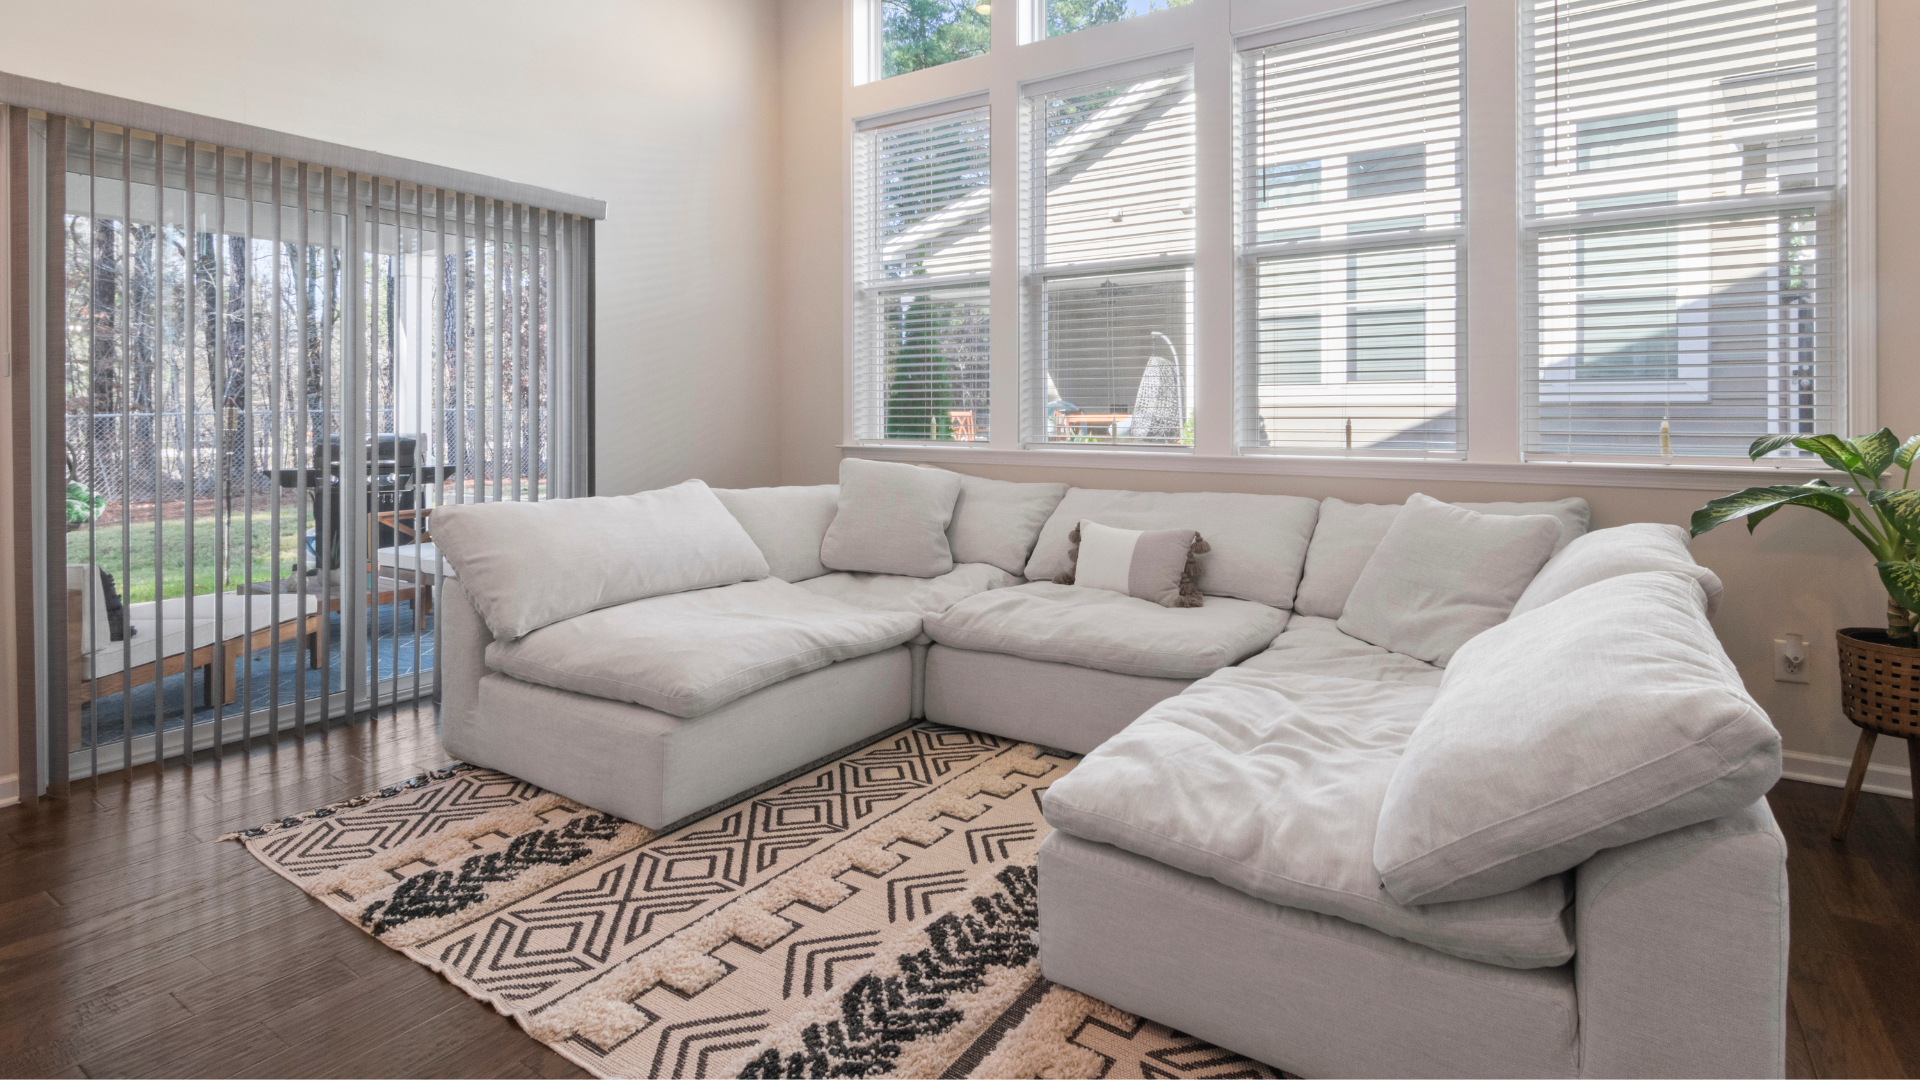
pixel 880 1014
pixel 810 962
pixel 399 813
pixel 446 892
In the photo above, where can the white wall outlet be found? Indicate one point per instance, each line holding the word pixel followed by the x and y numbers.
pixel 1790 658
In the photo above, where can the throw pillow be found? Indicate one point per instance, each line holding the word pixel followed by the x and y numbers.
pixel 1443 574
pixel 1162 566
pixel 1605 717
pixel 1624 549
pixel 996 522
pixel 892 519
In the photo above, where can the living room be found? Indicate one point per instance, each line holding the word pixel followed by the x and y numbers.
pixel 920 537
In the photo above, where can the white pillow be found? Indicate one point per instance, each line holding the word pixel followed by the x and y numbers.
pixel 531 564
pixel 892 519
pixel 1605 717
pixel 1161 566
pixel 1443 574
pixel 996 522
pixel 787 523
pixel 1625 549
pixel 1347 533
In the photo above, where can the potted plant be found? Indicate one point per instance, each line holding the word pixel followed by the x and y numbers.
pixel 82 506
pixel 1879 668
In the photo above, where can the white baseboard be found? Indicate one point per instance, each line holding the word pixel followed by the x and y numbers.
pixel 9 789
pixel 1832 771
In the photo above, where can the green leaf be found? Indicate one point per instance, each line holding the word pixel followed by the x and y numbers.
pixel 1767 444
pixel 1903 457
pixel 1875 451
pixel 1901 507
pixel 1902 580
pixel 1832 449
pixel 1823 497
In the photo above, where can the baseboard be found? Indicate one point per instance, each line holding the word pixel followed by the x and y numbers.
pixel 1832 771
pixel 9 789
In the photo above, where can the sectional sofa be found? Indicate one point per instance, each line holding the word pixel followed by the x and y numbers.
pixel 1415 790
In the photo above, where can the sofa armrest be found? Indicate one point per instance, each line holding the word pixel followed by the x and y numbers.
pixel 1680 961
pixel 462 660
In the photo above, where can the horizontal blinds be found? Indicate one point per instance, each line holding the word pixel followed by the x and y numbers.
pixel 924 255
pixel 1680 172
pixel 1110 271
pixel 1351 216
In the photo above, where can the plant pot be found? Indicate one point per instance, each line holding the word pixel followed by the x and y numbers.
pixel 1879 683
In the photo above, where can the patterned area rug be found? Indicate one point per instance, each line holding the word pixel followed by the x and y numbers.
pixel 870 916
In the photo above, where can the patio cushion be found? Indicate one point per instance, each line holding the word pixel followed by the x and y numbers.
pixel 162 628
pixel 914 595
pixel 1315 646
pixel 892 519
pixel 1272 784
pixel 529 564
pixel 787 523
pixel 687 654
pixel 997 522
pixel 1258 541
pixel 1105 630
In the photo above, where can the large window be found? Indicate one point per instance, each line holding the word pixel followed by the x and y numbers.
pixel 915 34
pixel 1109 270
pixel 1349 247
pixel 923 253
pixel 1679 183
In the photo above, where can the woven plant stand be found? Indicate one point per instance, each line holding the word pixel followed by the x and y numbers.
pixel 1880 691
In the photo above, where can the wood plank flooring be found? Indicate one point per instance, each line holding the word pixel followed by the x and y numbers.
pixel 133 944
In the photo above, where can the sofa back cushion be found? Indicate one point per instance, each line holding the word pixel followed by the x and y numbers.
pixel 997 522
pixel 1347 533
pixel 1258 541
pixel 1443 574
pixel 1607 716
pixel 892 519
pixel 786 523
pixel 527 565
pixel 1609 553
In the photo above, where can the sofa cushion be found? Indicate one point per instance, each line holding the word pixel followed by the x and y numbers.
pixel 892 518
pixel 1271 784
pixel 787 523
pixel 1625 549
pixel 690 653
pixel 1347 533
pixel 1100 629
pixel 997 522
pixel 1162 566
pixel 530 564
pixel 914 595
pixel 1315 646
pixel 1258 541
pixel 1647 729
pixel 1443 574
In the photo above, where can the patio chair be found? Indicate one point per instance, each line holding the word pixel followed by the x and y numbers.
pixel 98 665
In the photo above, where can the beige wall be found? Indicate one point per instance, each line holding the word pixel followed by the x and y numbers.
pixel 666 109
pixel 1800 573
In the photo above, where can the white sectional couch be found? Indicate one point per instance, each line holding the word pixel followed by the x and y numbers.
pixel 1604 894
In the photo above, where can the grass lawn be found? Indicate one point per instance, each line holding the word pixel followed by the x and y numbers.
pixel 107 541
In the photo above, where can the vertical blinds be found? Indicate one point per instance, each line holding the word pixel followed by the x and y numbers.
pixel 1110 265
pixel 1680 173
pixel 1349 261
pixel 923 258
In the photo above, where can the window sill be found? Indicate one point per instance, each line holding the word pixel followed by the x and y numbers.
pixel 1715 478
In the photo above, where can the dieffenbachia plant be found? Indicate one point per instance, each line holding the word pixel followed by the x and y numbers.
pixel 1889 523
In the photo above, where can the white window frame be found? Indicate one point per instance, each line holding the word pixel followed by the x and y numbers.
pixel 1490 268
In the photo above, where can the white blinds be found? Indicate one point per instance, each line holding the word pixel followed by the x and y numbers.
pixel 922 262
pixel 1110 264
pixel 1682 235
pixel 1351 217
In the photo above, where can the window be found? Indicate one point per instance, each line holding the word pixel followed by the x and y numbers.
pixel 1066 16
pixel 923 255
pixel 1110 262
pixel 1349 241
pixel 915 34
pixel 1679 187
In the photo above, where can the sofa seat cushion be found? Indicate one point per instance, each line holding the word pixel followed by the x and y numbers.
pixel 690 653
pixel 913 595
pixel 1105 630
pixel 1272 783
pixel 1315 646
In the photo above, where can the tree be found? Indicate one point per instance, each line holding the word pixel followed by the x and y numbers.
pixel 919 34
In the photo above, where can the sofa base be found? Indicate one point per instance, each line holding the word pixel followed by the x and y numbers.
pixel 1059 705
pixel 1311 994
pixel 655 769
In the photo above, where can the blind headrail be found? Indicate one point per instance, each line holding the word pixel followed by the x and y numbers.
pixel 105 108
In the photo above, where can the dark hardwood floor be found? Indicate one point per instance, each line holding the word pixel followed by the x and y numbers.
pixel 133 944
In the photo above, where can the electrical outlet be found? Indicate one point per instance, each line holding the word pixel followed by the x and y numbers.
pixel 1790 659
